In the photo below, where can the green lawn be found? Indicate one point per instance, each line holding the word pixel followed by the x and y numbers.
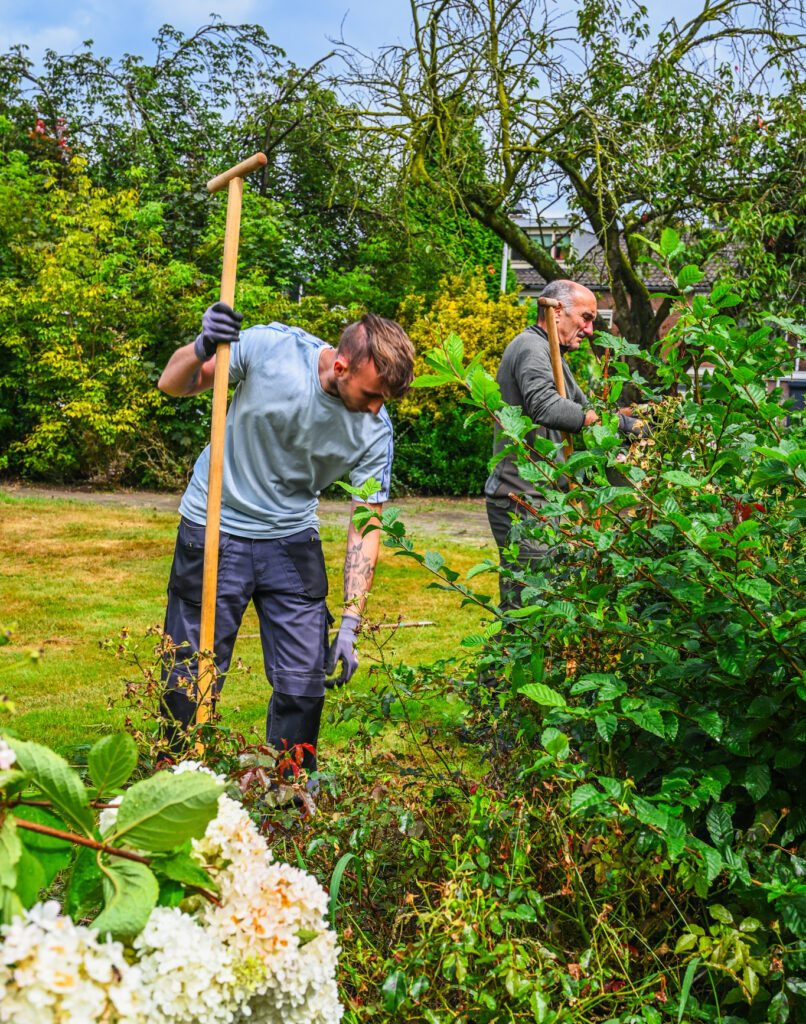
pixel 73 574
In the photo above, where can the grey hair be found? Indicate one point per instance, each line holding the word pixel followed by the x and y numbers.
pixel 564 291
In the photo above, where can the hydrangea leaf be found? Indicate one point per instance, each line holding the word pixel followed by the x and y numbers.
pixel 111 761
pixel 57 781
pixel 10 851
pixel 130 894
pixel 162 812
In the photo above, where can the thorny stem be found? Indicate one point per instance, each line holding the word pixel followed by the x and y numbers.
pixel 47 803
pixel 409 722
pixel 93 844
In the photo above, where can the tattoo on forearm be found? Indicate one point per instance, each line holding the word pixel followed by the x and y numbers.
pixel 358 571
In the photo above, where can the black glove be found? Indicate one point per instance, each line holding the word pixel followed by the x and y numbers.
pixel 343 649
pixel 220 323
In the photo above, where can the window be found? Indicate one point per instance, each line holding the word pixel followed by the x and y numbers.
pixel 797 392
pixel 606 315
pixel 559 246
pixel 557 243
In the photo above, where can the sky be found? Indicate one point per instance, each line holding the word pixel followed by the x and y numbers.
pixel 301 27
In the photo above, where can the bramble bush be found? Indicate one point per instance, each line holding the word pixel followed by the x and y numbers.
pixel 636 850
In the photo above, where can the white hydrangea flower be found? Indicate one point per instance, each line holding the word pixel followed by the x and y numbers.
pixel 302 989
pixel 263 906
pixel 109 815
pixel 274 912
pixel 231 837
pixel 272 915
pixel 266 916
pixel 55 972
pixel 187 973
pixel 7 756
pixel 197 766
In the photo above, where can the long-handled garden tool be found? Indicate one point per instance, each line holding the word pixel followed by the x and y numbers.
pixel 233 178
pixel 550 305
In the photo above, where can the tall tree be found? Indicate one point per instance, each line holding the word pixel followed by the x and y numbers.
pixel 171 121
pixel 499 103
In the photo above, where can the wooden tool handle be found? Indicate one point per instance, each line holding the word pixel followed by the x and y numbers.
pixel 207 672
pixel 238 171
pixel 550 306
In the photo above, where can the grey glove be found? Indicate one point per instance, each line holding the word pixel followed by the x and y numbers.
pixel 343 650
pixel 633 426
pixel 220 323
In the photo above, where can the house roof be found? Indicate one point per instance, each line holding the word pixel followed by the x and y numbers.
pixel 591 271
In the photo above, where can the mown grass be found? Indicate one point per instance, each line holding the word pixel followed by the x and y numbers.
pixel 73 574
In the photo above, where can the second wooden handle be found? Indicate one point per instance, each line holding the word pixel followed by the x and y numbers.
pixel 550 305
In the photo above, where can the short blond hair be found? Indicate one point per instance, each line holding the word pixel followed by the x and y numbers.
pixel 387 345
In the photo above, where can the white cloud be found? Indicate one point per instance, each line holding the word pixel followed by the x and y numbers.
pixel 61 38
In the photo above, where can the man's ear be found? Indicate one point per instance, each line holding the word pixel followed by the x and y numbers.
pixel 341 365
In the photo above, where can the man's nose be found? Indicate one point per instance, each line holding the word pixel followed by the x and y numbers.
pixel 587 328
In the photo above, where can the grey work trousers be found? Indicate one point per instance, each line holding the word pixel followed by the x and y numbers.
pixel 287 580
pixel 507 520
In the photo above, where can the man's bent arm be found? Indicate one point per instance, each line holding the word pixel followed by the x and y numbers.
pixel 359 563
pixel 185 375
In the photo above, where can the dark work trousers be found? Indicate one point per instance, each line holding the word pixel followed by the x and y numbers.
pixel 287 580
pixel 532 554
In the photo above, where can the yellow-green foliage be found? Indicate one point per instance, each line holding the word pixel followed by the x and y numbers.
pixel 77 308
pixel 92 304
pixel 462 306
pixel 261 305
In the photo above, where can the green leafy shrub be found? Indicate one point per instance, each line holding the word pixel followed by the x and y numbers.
pixel 83 307
pixel 92 306
pixel 652 679
pixel 440 454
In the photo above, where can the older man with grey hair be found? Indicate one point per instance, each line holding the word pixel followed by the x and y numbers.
pixel 525 378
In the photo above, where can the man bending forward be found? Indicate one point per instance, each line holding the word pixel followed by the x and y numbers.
pixel 303 414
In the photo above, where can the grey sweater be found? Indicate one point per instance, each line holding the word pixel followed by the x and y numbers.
pixel 525 378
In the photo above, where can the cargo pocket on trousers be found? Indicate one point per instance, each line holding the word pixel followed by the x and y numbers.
pixel 307 558
pixel 187 567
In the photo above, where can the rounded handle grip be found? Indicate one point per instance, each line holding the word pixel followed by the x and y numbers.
pixel 240 170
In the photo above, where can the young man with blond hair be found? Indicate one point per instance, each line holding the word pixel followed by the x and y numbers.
pixel 302 416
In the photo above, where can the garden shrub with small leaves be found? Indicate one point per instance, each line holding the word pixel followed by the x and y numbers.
pixel 643 705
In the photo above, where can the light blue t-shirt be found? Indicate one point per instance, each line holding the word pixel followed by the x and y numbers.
pixel 286 439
